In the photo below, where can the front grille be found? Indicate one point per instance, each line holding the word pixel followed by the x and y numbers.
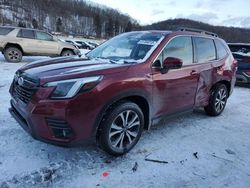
pixel 22 93
pixel 60 128
pixel 25 89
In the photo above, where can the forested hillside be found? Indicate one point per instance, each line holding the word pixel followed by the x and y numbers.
pixel 230 34
pixel 65 16
pixel 80 17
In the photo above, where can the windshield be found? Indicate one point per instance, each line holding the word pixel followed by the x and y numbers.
pixel 127 47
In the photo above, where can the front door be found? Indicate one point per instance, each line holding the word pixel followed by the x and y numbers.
pixel 175 90
pixel 47 45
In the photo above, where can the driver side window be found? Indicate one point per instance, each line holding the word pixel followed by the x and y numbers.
pixel 179 47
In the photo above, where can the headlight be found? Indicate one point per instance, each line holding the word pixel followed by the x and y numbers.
pixel 69 88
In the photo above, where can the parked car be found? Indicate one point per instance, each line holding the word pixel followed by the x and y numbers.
pixel 241 53
pixel 77 45
pixel 122 87
pixel 94 44
pixel 85 45
pixel 239 47
pixel 18 42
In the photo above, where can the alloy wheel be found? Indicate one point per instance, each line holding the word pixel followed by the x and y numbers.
pixel 220 100
pixel 13 55
pixel 124 130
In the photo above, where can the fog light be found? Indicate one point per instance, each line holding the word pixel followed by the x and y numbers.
pixel 60 128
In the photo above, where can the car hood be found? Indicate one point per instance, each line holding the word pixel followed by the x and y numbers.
pixel 70 67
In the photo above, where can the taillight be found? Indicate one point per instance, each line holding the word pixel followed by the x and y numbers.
pixel 248 73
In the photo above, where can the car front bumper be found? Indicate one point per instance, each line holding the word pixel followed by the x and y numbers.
pixel 56 122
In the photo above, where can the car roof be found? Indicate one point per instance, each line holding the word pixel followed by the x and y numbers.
pixel 13 27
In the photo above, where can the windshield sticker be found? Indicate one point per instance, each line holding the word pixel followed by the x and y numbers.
pixel 147 42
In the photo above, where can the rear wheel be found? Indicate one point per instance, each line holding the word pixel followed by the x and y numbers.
pixel 217 100
pixel 13 54
pixel 121 128
pixel 67 53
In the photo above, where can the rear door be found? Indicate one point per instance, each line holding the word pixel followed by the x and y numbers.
pixel 26 38
pixel 46 43
pixel 207 65
pixel 175 91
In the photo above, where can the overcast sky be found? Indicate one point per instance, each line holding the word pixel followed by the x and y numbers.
pixel 216 12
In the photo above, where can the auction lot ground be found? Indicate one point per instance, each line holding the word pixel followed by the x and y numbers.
pixel 221 144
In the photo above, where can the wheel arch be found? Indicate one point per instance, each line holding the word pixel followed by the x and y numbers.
pixel 225 82
pixel 63 49
pixel 139 99
pixel 13 45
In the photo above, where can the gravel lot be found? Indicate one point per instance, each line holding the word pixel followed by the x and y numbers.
pixel 192 151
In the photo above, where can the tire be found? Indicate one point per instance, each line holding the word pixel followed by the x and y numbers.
pixel 13 54
pixel 67 53
pixel 217 100
pixel 121 128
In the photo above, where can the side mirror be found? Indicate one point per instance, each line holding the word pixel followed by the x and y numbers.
pixel 171 63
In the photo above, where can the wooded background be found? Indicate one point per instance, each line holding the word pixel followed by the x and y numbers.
pixel 82 18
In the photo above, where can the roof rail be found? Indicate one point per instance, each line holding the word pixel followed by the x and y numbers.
pixel 197 31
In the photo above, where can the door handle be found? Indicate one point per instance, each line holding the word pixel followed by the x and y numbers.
pixel 194 72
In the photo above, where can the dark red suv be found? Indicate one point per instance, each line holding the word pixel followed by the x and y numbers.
pixel 122 87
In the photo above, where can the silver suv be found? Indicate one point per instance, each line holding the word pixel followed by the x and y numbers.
pixel 18 42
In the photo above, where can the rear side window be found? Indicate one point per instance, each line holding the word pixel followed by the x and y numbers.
pixel 5 30
pixel 205 49
pixel 25 33
pixel 221 51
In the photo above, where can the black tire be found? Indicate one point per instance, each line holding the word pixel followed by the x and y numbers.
pixel 217 101
pixel 13 54
pixel 67 53
pixel 116 138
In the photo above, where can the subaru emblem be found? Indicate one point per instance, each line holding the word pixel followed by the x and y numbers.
pixel 20 81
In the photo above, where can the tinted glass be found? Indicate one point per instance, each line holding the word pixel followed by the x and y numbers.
pixel 180 47
pixel 43 36
pixel 221 51
pixel 205 49
pixel 24 33
pixel 5 30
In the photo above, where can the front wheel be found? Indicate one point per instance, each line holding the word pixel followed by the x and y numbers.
pixel 121 128
pixel 67 53
pixel 217 100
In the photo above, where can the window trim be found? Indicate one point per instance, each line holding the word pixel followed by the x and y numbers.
pixel 152 64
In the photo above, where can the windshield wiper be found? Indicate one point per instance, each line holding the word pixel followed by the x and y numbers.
pixel 129 62
pixel 103 58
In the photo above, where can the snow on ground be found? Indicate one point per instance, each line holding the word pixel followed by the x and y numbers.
pixel 221 144
pixel 84 51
